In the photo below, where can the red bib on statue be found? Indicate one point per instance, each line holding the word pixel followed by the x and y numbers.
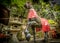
pixel 32 13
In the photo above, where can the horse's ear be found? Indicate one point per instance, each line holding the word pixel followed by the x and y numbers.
pixel 27 5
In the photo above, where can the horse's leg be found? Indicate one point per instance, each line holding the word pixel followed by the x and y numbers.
pixel 27 34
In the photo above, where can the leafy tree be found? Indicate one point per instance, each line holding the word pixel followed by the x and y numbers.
pixel 19 5
pixel 6 3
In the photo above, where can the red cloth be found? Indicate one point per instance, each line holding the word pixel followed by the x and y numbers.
pixel 2 35
pixel 45 25
pixel 32 13
pixel 38 29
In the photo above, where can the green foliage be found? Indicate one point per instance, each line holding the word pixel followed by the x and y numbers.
pixel 58 19
pixel 5 2
pixel 52 22
pixel 19 5
pixel 57 7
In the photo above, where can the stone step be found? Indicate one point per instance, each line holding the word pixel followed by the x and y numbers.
pixel 54 41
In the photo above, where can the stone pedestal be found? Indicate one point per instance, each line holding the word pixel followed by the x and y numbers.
pixel 14 35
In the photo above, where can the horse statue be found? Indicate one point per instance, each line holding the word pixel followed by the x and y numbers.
pixel 34 21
